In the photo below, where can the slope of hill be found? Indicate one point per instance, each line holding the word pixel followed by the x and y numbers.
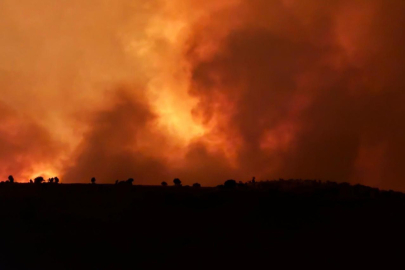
pixel 291 223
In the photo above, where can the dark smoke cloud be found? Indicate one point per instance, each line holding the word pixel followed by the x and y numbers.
pixel 299 74
pixel 202 166
pixel 110 150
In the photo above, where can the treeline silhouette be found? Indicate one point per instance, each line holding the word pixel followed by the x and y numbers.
pixel 297 186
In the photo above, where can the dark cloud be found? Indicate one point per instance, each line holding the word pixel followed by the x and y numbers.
pixel 204 166
pixel 110 150
pixel 300 74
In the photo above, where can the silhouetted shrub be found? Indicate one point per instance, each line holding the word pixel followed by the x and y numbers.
pixel 196 185
pixel 164 184
pixel 39 180
pixel 128 182
pixel 177 182
pixel 11 179
pixel 31 182
pixel 230 183
pixel 50 180
pixel 56 180
pixel 93 180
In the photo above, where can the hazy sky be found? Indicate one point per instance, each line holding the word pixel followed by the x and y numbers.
pixel 203 90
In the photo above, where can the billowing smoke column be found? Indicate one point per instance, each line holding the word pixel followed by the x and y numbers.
pixel 203 90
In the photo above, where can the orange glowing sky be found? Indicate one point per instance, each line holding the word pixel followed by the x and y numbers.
pixel 203 90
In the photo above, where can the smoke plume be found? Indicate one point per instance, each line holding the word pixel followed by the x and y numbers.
pixel 203 90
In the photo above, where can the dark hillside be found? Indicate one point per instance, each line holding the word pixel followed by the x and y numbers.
pixel 49 226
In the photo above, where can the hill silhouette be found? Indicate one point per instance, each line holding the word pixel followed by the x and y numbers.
pixel 237 225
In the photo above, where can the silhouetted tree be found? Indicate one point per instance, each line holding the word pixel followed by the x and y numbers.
pixel 116 182
pixel 230 183
pixel 56 180
pixel 196 185
pixel 11 179
pixel 31 182
pixel 130 181
pixel 93 180
pixel 50 180
pixel 39 180
pixel 164 184
pixel 177 182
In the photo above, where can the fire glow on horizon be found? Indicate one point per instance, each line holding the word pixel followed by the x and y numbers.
pixel 203 90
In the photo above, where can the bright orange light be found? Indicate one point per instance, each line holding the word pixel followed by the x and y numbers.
pixel 43 171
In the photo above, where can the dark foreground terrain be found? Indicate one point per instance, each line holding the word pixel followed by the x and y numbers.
pixel 261 226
